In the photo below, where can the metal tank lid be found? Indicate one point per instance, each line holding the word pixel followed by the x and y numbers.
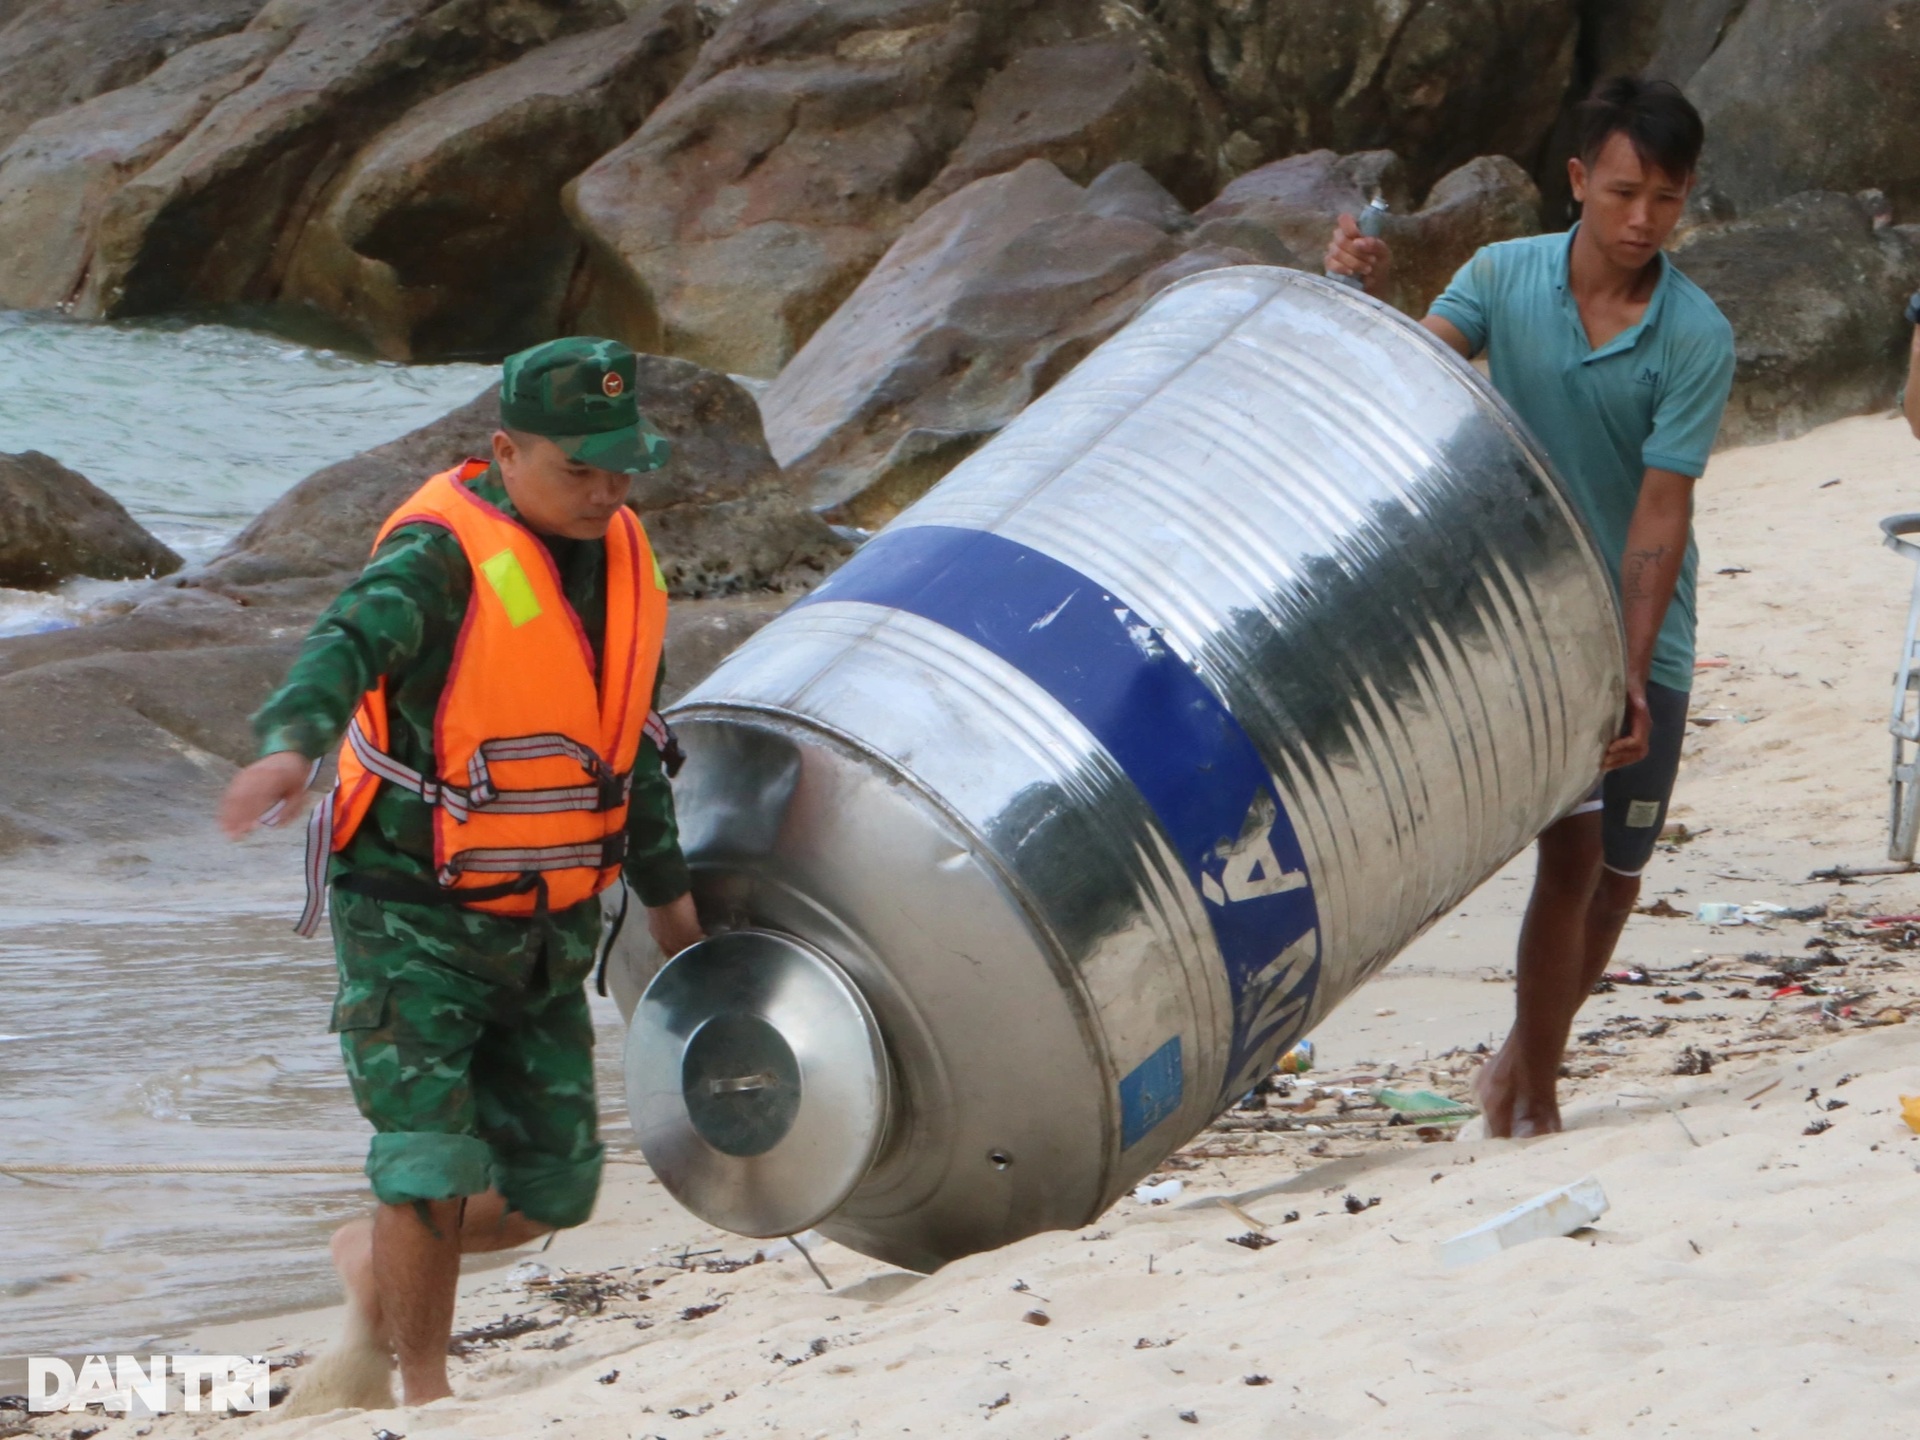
pixel 757 1082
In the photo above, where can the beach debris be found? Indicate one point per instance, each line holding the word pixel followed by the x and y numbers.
pixel 993 1405
pixel 1557 1212
pixel 507 1327
pixel 1355 1205
pixel 1145 1344
pixel 1252 1240
pixel 1256 1379
pixel 816 1347
pixel 1662 908
pixel 608 1378
pixel 1910 1112
pixel 1298 1060
pixel 528 1271
pixel 1415 1105
pixel 700 1312
pixel 1693 1060
pixel 1192 1417
pixel 380 1435
pixel 679 1414
pixel 1037 1317
pixel 1819 1127
pixel 1148 1193
pixel 1733 570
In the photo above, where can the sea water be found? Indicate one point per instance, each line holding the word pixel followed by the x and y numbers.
pixel 153 1019
pixel 195 428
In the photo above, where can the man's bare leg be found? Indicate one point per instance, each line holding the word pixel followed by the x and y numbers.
pixel 400 1276
pixel 1559 939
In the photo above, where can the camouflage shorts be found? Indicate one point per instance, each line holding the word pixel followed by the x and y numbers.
pixel 476 1069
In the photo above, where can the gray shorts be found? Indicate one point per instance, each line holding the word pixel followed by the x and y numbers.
pixel 1633 800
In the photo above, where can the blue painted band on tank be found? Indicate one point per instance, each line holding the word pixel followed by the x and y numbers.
pixel 1182 749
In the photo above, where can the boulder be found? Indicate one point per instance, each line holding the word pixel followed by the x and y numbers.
pixel 808 137
pixel 1814 292
pixel 956 329
pixel 445 236
pixel 1438 83
pixel 722 517
pixel 55 524
pixel 215 219
pixel 57 177
pixel 1083 105
pixel 1298 201
pixel 58 53
pixel 750 203
pixel 1800 97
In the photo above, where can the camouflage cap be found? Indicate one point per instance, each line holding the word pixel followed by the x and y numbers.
pixel 578 392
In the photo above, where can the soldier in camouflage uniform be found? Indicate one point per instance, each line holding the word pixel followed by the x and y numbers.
pixel 466 1034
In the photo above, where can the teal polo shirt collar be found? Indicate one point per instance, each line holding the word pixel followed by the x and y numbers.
pixel 1627 338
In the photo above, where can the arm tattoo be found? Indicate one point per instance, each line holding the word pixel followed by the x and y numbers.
pixel 1636 569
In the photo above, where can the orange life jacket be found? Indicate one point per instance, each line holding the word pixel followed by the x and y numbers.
pixel 533 751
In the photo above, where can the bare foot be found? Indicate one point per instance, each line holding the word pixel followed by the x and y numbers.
pixel 1512 1107
pixel 356 1371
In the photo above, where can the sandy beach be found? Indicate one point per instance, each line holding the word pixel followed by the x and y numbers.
pixel 1755 1273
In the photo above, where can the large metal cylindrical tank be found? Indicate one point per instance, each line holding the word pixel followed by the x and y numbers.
pixel 1103 773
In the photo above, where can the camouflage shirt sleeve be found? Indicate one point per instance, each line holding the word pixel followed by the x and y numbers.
pixel 413 592
pixel 656 869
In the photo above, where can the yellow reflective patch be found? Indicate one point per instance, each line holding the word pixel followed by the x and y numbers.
pixel 659 580
pixel 510 583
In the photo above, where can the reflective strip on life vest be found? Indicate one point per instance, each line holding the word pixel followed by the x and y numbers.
pixel 610 793
pixel 319 847
pixel 603 855
pixel 656 730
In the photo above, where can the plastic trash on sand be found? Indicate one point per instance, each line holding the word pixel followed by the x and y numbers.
pixel 1558 1212
pixel 1158 1194
pixel 1910 1112
pixel 1423 1105
pixel 1298 1060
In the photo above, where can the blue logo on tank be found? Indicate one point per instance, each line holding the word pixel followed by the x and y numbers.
pixel 1182 749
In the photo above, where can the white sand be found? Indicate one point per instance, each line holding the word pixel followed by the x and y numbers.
pixel 1749 1280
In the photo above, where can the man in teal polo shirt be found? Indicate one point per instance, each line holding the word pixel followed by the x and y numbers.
pixel 1621 367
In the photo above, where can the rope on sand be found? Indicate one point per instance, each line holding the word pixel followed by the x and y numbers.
pixel 216 1167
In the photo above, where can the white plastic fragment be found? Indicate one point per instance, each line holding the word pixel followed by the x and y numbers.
pixel 1158 1194
pixel 1558 1212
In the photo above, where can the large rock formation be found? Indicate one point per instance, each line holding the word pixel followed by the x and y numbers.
pixel 751 203
pixel 213 220
pixel 1438 83
pixel 1801 96
pixel 808 137
pixel 389 165
pixel 445 236
pixel 956 329
pixel 721 516
pixel 1813 291
pixel 58 53
pixel 56 179
pixel 55 524
pixel 998 290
